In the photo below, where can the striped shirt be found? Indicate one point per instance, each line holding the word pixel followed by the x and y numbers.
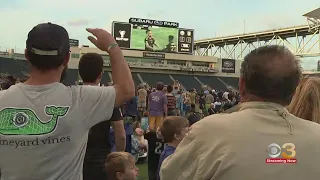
pixel 171 101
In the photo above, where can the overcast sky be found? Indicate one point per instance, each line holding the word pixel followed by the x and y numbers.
pixel 209 18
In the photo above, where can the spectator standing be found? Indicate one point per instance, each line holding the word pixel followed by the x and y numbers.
pixel 179 103
pixel 142 99
pixel 98 147
pixel 157 106
pixel 209 99
pixel 193 96
pixel 173 130
pixel 305 103
pixel 54 117
pixel 171 101
pixel 220 147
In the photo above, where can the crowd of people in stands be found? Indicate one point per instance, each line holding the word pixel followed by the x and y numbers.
pixel 7 80
pixel 54 132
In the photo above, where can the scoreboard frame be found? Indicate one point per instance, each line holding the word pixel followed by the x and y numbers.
pixel 122 32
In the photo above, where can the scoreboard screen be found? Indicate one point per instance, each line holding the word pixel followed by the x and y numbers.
pixel 153 35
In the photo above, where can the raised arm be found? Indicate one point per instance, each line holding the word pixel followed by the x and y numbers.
pixel 121 74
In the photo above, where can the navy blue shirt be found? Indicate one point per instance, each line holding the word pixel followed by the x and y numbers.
pixel 167 151
pixel 155 148
pixel 131 107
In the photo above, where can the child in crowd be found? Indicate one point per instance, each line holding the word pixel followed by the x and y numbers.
pixel 145 121
pixel 121 166
pixel 173 129
pixel 138 142
pixel 155 148
pixel 187 103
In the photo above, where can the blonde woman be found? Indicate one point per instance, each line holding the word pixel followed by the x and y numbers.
pixel 305 103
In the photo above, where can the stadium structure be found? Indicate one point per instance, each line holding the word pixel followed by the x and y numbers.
pixel 303 41
pixel 214 63
pixel 191 71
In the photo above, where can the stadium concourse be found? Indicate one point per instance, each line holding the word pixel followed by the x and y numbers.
pixel 20 69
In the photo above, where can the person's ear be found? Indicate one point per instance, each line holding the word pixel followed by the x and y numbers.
pixel 119 175
pixel 66 59
pixel 100 76
pixel 242 88
pixel 26 54
pixel 177 137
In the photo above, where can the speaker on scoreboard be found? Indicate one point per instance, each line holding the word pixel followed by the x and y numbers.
pixel 122 34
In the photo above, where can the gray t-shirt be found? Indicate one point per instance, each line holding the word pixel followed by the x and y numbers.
pixel 44 129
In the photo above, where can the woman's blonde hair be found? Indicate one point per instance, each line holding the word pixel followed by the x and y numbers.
pixel 135 125
pixel 305 103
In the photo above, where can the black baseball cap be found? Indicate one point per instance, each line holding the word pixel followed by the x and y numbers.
pixel 48 39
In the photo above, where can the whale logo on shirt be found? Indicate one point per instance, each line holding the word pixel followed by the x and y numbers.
pixel 24 121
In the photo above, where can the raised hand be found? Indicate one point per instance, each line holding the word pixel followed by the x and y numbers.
pixel 102 38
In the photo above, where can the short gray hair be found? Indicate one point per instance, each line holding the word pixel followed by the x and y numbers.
pixel 271 73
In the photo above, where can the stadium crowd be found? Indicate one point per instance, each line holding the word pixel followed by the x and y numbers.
pixel 98 132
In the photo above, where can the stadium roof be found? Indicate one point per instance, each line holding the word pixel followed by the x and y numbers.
pixel 313 14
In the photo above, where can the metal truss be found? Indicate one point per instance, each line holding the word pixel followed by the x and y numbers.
pixel 300 40
pixel 314 23
pixel 313 19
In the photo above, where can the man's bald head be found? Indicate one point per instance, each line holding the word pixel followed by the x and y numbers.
pixel 271 73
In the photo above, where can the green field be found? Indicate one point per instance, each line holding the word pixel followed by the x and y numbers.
pixel 143 171
pixel 160 34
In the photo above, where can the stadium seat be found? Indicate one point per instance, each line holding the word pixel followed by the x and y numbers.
pixel 213 82
pixel 188 81
pixel 153 78
pixel 17 68
pixel 231 81
pixel 136 78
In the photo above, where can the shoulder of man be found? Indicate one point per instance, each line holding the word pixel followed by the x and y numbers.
pixel 312 128
pixel 232 109
pixel 2 93
pixel 217 124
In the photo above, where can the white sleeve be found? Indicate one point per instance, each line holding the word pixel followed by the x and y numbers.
pixel 97 103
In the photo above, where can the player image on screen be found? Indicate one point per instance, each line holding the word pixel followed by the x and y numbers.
pixel 154 38
pixel 171 46
pixel 149 41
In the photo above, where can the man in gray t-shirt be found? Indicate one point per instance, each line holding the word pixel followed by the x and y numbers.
pixel 43 124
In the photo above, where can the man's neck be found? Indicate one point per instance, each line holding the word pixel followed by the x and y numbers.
pixel 253 98
pixel 42 78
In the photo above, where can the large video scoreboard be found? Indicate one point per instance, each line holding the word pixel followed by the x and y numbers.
pixel 153 36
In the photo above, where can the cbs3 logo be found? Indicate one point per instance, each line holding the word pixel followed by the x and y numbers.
pixel 286 151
